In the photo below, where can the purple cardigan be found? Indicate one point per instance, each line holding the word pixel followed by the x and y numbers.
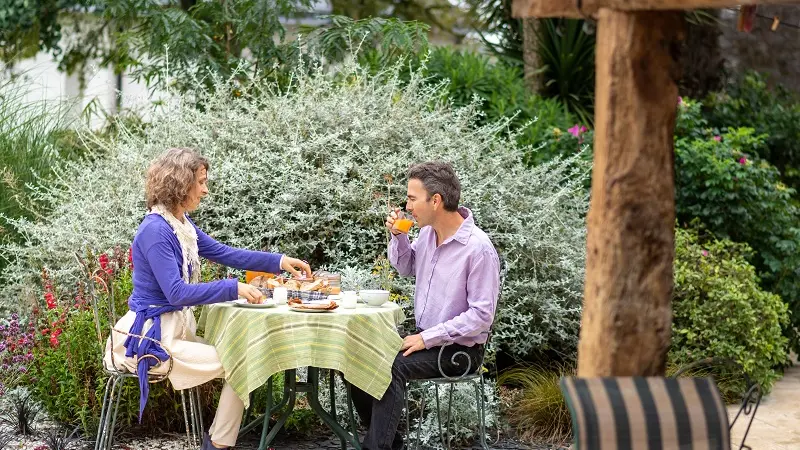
pixel 158 287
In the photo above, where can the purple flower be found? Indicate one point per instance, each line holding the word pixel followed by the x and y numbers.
pixel 680 100
pixel 742 160
pixel 14 316
pixel 23 369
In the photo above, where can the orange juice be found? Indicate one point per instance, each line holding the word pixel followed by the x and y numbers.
pixel 249 275
pixel 403 224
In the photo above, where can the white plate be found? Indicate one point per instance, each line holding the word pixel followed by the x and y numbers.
pixel 244 304
pixel 309 310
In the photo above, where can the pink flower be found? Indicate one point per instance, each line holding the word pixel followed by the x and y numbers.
pixel 577 130
pixel 680 100
pixel 704 252
pixel 742 160
pixel 718 138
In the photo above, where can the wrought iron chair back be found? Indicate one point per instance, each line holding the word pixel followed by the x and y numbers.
pixel 469 375
pixel 750 400
pixel 117 374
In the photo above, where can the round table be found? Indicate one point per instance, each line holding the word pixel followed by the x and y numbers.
pixel 255 343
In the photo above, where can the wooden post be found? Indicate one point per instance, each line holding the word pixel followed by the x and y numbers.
pixel 627 315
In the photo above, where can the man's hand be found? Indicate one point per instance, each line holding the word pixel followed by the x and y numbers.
pixel 412 343
pixel 393 216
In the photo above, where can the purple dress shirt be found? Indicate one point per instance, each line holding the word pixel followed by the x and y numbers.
pixel 457 283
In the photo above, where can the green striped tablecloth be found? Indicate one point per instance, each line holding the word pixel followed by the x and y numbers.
pixel 254 344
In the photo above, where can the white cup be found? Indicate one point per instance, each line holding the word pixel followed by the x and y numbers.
pixel 349 300
pixel 280 295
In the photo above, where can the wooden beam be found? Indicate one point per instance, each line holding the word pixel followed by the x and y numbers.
pixel 630 245
pixel 569 8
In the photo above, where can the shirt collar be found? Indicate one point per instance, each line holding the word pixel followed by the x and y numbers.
pixel 465 230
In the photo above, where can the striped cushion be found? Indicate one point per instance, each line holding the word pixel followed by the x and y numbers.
pixel 633 413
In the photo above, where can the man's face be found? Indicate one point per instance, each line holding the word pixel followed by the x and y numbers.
pixel 422 208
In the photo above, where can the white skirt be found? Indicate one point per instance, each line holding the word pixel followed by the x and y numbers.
pixel 194 360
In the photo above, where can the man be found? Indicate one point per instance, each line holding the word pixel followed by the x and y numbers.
pixel 457 274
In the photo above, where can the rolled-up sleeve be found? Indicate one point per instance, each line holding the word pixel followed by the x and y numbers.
pixel 483 289
pixel 402 254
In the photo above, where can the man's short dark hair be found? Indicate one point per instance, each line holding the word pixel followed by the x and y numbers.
pixel 438 178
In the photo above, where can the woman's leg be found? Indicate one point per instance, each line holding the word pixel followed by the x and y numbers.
pixel 228 418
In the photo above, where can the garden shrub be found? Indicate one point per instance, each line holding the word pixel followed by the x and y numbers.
pixel 740 197
pixel 719 309
pixel 747 101
pixel 467 76
pixel 311 171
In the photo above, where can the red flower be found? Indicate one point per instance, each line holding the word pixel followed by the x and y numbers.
pixel 50 299
pixel 130 257
pixel 54 341
pixel 104 263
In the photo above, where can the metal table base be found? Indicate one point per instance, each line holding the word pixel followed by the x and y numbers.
pixel 291 387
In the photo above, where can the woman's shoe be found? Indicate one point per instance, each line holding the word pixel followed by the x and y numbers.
pixel 207 443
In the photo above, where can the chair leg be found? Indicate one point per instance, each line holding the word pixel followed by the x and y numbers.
pixel 196 415
pixel 449 421
pixel 480 394
pixel 105 415
pixel 200 424
pixel 421 416
pixel 408 417
pixel 116 395
pixel 439 418
pixel 189 437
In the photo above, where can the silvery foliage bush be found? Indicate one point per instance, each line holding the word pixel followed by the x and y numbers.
pixel 463 422
pixel 311 170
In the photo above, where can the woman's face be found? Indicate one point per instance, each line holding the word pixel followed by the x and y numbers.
pixel 198 191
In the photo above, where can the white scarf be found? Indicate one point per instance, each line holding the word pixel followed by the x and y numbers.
pixel 187 237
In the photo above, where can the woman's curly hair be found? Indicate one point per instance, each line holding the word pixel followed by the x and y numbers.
pixel 171 176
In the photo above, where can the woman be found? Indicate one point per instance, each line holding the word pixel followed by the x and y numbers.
pixel 166 283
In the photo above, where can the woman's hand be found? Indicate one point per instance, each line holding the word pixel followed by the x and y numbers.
pixel 250 293
pixel 296 267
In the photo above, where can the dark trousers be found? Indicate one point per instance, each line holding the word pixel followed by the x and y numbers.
pixel 382 417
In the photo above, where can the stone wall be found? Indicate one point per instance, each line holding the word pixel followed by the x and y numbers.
pixel 776 53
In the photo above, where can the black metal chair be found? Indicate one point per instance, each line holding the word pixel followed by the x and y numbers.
pixel 634 413
pixel 117 375
pixel 471 375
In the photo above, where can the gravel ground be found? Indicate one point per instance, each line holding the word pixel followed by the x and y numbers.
pixel 320 441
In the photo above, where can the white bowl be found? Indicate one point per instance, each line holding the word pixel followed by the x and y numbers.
pixel 374 297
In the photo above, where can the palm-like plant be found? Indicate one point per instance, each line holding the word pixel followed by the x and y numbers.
pixel 566 50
